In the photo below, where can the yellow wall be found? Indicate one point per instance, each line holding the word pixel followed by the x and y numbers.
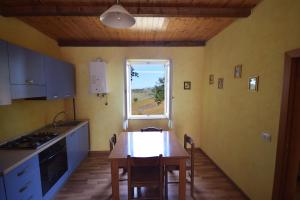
pixel 234 117
pixel 24 116
pixel 105 120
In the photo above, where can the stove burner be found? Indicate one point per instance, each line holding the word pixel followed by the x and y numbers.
pixel 31 141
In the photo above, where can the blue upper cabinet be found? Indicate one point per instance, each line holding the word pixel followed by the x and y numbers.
pixel 25 66
pixel 53 70
pixel 69 80
pixel 26 73
pixel 5 95
pixel 60 79
pixel 2 189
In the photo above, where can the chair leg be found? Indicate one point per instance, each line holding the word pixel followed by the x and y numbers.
pixel 166 184
pixel 129 193
pixel 161 193
pixel 192 184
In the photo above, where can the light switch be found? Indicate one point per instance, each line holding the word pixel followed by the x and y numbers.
pixel 266 137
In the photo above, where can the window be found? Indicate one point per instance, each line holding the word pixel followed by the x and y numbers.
pixel 148 89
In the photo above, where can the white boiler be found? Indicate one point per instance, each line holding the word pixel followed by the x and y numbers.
pixel 98 77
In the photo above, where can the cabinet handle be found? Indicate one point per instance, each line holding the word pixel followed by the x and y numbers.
pixel 22 189
pixel 55 97
pixel 22 172
pixel 29 81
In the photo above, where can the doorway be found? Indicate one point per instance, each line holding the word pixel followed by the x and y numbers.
pixel 287 172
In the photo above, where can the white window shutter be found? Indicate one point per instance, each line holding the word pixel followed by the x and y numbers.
pixel 170 122
pixel 125 117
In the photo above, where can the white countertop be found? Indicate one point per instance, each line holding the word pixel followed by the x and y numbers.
pixel 9 159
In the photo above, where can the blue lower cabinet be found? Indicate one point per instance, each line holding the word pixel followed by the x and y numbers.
pixel 2 189
pixel 24 182
pixel 83 142
pixel 72 145
pixel 77 147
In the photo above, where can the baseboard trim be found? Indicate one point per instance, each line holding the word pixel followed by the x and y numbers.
pixel 242 192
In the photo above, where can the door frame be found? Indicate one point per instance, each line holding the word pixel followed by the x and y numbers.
pixel 284 135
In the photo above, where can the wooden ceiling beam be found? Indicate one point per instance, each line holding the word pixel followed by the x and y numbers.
pixel 137 11
pixel 72 43
pixel 132 3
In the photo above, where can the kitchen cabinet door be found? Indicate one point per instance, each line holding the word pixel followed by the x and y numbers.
pixel 53 78
pixel 68 85
pixel 2 189
pixel 84 141
pixel 72 151
pixel 5 95
pixel 25 66
pixel 60 79
pixel 71 144
pixel 77 147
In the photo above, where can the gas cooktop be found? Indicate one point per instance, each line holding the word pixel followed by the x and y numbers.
pixel 31 141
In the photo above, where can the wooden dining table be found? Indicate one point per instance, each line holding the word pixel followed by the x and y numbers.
pixel 148 144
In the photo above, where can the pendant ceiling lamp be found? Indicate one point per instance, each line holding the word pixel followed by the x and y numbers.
pixel 117 17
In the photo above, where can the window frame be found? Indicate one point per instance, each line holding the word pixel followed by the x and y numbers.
pixel 167 102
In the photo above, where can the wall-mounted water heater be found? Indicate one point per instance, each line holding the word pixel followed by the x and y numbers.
pixel 98 78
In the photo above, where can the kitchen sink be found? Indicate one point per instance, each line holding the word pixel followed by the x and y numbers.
pixel 68 123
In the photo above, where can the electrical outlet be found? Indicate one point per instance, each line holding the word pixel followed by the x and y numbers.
pixel 266 137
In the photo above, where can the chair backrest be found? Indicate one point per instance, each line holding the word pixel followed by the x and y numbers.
pixel 140 162
pixel 148 129
pixel 189 143
pixel 112 142
pixel 143 164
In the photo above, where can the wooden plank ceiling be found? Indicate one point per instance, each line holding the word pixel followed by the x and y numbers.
pixel 159 22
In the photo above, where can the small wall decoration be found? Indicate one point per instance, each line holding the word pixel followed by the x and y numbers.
pixel 187 85
pixel 238 71
pixel 220 83
pixel 253 83
pixel 211 79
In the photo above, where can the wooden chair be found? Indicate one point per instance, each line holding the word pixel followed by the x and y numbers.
pixel 145 172
pixel 112 142
pixel 148 129
pixel 189 147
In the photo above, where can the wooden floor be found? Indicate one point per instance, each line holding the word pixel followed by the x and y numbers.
pixel 92 181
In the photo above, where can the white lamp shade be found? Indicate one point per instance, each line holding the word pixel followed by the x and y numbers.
pixel 117 17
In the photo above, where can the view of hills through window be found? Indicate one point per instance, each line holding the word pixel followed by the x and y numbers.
pixel 148 89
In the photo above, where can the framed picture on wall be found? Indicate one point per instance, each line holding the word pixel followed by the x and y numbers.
pixel 253 83
pixel 221 83
pixel 187 85
pixel 238 71
pixel 211 79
